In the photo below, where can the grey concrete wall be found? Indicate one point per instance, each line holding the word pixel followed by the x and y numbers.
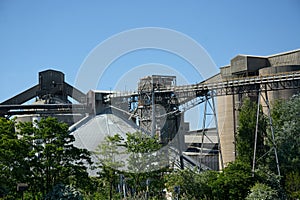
pixel 238 64
pixel 278 94
pixel 226 128
pixel 291 58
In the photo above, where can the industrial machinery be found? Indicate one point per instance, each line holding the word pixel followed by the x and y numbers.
pixel 158 105
pixel 50 98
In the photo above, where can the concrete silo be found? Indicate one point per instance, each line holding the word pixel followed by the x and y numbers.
pixel 243 66
pixel 280 64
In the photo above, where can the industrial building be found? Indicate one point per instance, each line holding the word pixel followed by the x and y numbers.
pixel 158 106
pixel 243 66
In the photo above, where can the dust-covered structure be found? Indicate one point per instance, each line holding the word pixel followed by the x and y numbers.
pixel 158 105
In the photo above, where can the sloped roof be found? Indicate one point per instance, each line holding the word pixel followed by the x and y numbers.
pixel 93 132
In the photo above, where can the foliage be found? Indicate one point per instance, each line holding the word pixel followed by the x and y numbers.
pixel 97 190
pixel 109 163
pixel 40 154
pixel 53 158
pixel 292 184
pixel 246 132
pixel 267 177
pixel 108 152
pixel 261 191
pixel 234 182
pixel 13 166
pixel 142 164
pixel 111 154
pixel 287 128
pixel 193 185
pixel 140 148
pixel 63 192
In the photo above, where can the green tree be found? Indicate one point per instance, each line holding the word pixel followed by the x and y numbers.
pixel 267 177
pixel 261 191
pixel 13 167
pixel 109 162
pixel 63 192
pixel 246 132
pixel 142 163
pixel 140 148
pixel 287 128
pixel 292 184
pixel 132 155
pixel 234 182
pixel 52 157
pixel 193 185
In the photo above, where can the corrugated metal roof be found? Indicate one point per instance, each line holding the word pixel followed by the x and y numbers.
pixel 93 132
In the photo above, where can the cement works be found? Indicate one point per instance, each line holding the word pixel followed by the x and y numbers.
pixel 158 105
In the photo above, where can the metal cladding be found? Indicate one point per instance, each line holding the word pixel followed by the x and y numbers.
pixel 203 146
pixel 51 83
pixel 51 99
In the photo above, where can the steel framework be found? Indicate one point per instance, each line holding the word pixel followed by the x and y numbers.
pixel 158 104
pixel 178 99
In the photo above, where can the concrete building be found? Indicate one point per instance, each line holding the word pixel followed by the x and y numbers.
pixel 247 66
pixel 156 108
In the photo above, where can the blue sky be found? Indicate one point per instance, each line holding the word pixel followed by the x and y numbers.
pixel 37 35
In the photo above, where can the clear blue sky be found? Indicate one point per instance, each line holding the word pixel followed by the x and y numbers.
pixel 37 35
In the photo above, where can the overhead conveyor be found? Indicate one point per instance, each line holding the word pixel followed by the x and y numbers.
pixel 51 94
pixel 156 107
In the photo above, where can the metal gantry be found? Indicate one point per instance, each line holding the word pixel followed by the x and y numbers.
pixel 158 104
pixel 174 100
pixel 266 101
pixel 209 110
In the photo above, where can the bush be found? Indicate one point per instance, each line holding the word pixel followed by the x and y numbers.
pixel 262 191
pixel 64 192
